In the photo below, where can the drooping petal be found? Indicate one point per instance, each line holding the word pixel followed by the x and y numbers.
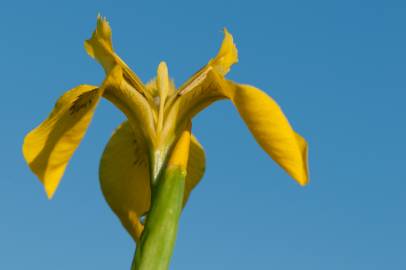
pixel 196 166
pixel 271 129
pixel 49 147
pixel 124 175
pixel 262 115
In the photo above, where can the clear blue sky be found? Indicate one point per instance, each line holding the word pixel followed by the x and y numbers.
pixel 337 68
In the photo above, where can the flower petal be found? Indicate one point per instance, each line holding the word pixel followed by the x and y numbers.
pixel 100 47
pixel 195 168
pixel 225 58
pixel 124 175
pixel 131 102
pixel 271 129
pixel 262 115
pixel 49 147
pixel 198 92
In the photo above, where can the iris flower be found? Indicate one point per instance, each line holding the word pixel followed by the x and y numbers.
pixel 152 162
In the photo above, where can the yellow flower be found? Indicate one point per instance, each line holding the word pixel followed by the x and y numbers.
pixel 157 115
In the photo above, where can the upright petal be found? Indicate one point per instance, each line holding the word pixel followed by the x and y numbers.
pixel 100 47
pixel 271 129
pixel 225 58
pixel 49 147
pixel 124 175
pixel 198 92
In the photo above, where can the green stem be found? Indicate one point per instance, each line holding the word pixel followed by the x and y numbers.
pixel 158 238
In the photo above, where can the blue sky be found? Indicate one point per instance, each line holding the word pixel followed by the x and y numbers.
pixel 337 68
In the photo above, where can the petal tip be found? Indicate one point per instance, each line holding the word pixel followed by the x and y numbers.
pixel 49 192
pixel 100 45
pixel 303 182
pixel 227 55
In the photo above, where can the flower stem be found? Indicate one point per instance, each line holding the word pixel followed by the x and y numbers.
pixel 155 249
pixel 158 239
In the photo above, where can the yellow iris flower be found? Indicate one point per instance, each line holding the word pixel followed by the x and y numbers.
pixel 158 114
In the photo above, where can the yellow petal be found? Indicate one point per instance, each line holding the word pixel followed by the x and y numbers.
pixel 124 175
pixel 262 115
pixel 100 47
pixel 49 147
pixel 163 81
pixel 179 156
pixel 198 92
pixel 271 129
pixel 188 105
pixel 163 84
pixel 131 102
pixel 195 168
pixel 227 56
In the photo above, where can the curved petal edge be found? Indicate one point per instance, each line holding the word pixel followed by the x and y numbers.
pixel 48 148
